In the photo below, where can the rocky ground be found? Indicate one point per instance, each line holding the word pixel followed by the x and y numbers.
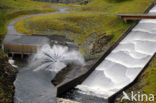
pixel 101 44
pixel 7 77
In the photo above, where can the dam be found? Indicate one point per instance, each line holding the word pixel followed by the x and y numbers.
pixel 125 62
pixel 119 69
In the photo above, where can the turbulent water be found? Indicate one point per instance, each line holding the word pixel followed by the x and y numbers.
pixel 125 62
pixel 55 58
pixel 33 83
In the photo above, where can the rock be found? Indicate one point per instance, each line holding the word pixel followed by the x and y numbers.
pixel 7 77
pixel 87 45
pixel 101 44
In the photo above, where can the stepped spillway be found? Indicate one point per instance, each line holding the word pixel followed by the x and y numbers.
pixel 125 62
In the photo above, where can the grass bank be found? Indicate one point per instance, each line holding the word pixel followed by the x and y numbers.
pixel 149 78
pixel 78 25
pixel 120 6
pixel 11 9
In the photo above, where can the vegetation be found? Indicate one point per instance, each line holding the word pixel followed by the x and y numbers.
pixel 149 78
pixel 109 6
pixel 81 26
pixel 10 9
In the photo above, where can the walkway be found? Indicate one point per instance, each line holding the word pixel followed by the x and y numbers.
pixel 127 17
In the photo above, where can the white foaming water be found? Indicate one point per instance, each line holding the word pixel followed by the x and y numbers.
pixel 125 62
pixel 33 83
pixel 12 63
pixel 55 58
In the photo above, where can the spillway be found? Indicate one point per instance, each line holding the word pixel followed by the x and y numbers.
pixel 125 62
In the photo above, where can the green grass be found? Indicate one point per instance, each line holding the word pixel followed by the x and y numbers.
pixel 80 26
pixel 127 6
pixel 11 9
pixel 149 78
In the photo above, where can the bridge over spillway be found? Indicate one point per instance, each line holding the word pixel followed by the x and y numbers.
pixel 127 17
